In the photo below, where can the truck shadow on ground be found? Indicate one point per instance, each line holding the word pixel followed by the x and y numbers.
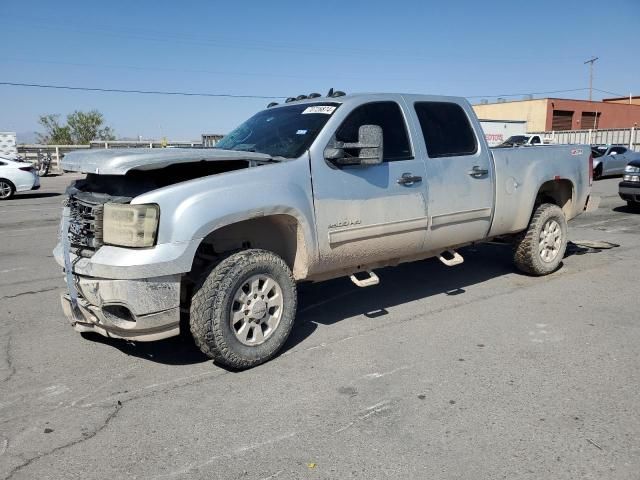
pixel 172 351
pixel 329 302
pixel 332 301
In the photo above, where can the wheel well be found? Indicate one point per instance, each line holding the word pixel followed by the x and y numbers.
pixel 281 234
pixel 9 182
pixel 558 192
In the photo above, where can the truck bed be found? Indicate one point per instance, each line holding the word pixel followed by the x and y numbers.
pixel 520 171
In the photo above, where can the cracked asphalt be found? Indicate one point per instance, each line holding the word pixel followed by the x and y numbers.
pixel 472 372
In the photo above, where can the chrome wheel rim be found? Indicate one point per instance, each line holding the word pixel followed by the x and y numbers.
pixel 550 240
pixel 256 309
pixel 5 190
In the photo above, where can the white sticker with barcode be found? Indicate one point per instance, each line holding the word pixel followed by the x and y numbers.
pixel 326 109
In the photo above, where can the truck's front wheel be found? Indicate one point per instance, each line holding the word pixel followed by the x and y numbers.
pixel 540 249
pixel 241 315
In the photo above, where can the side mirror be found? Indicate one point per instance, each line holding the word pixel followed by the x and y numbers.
pixel 613 153
pixel 369 146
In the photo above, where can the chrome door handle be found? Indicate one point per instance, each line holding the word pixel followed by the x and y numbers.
pixel 408 179
pixel 476 171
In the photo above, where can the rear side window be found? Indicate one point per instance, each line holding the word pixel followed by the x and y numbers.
pixel 446 129
pixel 387 115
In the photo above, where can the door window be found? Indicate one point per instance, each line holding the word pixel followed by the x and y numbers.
pixel 389 117
pixel 446 129
pixel 618 150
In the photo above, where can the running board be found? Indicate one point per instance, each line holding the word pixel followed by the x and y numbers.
pixel 367 282
pixel 451 262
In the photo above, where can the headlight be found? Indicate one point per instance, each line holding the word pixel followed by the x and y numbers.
pixel 631 169
pixel 130 225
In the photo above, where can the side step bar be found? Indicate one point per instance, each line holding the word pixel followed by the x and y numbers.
pixel 456 258
pixel 367 282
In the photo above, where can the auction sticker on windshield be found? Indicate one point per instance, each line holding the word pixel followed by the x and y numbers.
pixel 326 109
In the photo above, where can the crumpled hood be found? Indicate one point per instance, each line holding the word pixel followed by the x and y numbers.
pixel 120 161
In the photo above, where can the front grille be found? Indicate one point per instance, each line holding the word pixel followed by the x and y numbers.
pixel 85 224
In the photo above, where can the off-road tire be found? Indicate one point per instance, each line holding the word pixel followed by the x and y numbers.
pixel 12 189
pixel 212 301
pixel 526 253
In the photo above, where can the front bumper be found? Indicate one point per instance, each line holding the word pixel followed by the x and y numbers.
pixel 143 309
pixel 131 263
pixel 629 191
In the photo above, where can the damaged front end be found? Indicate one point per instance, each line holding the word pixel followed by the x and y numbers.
pixel 136 309
pixel 120 286
pixel 144 309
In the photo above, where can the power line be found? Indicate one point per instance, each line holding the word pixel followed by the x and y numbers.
pixel 610 93
pixel 529 93
pixel 146 92
pixel 267 97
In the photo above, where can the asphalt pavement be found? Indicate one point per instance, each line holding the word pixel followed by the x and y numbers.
pixel 471 372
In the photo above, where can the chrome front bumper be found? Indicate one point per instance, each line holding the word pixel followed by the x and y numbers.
pixel 143 309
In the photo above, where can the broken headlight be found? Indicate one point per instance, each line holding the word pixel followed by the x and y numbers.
pixel 129 225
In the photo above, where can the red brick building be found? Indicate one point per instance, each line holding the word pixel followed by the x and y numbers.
pixel 547 114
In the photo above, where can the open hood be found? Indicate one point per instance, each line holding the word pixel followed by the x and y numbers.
pixel 120 161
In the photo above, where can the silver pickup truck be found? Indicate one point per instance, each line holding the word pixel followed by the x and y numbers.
pixel 215 240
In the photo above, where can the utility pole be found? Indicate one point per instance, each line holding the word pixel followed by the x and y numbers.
pixel 591 61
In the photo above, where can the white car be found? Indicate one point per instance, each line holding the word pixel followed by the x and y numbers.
pixel 16 177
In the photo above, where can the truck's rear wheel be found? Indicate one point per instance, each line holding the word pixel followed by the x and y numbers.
pixel 540 249
pixel 243 312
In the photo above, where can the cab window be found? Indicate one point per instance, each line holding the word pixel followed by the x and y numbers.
pixel 446 129
pixel 388 116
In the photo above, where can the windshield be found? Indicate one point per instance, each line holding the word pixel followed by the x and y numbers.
pixel 280 132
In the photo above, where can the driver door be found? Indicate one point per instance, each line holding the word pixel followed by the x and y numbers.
pixel 366 214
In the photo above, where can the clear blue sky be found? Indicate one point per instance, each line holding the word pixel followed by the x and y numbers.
pixel 283 48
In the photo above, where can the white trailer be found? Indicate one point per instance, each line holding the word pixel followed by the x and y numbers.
pixel 8 147
pixel 497 131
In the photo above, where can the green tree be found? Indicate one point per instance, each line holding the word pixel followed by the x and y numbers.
pixel 55 134
pixel 86 126
pixel 80 129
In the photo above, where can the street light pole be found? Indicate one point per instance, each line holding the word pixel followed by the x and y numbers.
pixel 591 61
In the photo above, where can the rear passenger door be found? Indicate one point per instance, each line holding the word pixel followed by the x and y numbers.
pixel 459 174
